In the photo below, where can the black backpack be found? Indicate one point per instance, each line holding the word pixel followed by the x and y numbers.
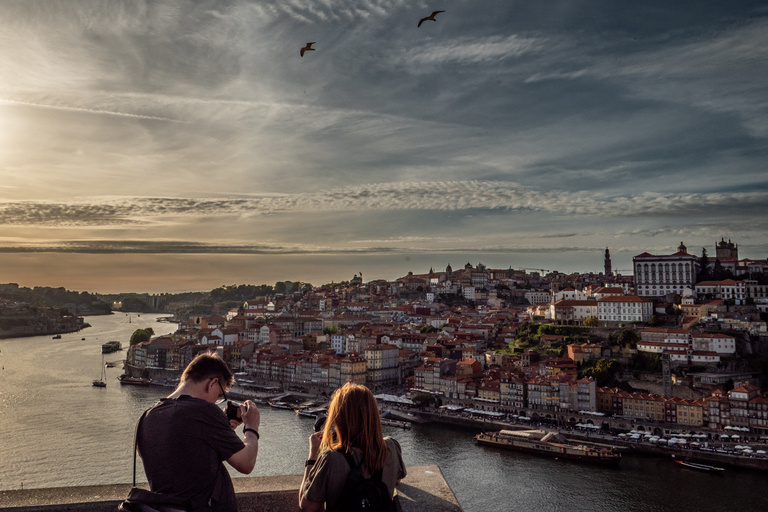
pixel 363 494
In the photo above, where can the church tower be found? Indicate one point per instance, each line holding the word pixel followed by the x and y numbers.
pixel 608 271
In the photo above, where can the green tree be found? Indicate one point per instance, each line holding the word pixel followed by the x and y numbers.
pixel 654 320
pixel 423 400
pixel 591 322
pixel 604 371
pixel 142 335
pixel 718 272
pixel 704 262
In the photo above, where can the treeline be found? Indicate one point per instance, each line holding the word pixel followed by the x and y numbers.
pixel 224 298
pixel 60 298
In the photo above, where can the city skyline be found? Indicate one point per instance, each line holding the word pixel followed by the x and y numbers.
pixel 171 146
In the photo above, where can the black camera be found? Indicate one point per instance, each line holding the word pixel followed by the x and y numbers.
pixel 233 410
pixel 320 422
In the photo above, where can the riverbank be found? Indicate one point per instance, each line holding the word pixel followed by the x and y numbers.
pixel 9 335
pixel 708 455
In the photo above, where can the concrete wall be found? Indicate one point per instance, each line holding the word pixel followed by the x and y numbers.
pixel 423 489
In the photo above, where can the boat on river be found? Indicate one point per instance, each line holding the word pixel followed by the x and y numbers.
pixel 312 412
pixel 101 381
pixel 111 346
pixel 125 380
pixel 546 443
pixel 700 467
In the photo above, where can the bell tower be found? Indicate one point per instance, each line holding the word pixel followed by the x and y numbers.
pixel 608 271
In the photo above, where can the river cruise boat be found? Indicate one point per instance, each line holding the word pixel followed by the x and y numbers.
pixel 125 380
pixel 546 443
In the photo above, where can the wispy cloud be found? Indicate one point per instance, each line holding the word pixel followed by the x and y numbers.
pixel 437 196
pixel 87 110
pixel 474 50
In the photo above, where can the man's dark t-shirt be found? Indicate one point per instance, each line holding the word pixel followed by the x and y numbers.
pixel 182 442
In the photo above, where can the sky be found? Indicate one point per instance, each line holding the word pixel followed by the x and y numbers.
pixel 184 145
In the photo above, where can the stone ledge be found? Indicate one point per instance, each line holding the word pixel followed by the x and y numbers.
pixel 423 489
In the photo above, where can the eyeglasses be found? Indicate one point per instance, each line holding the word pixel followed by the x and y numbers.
pixel 223 397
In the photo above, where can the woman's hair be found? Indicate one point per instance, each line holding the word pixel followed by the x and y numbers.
pixel 353 422
pixel 207 365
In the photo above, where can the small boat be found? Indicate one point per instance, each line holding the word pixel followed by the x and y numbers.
pixel 312 413
pixel 394 423
pixel 551 444
pixel 101 381
pixel 700 467
pixel 111 346
pixel 280 405
pixel 57 337
pixel 125 380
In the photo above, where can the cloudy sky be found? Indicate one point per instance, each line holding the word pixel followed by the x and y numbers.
pixel 175 145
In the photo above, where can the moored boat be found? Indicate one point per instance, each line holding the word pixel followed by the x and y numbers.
pixel 394 423
pixel 125 380
pixel 111 346
pixel 57 337
pixel 312 412
pixel 546 443
pixel 700 467
pixel 280 405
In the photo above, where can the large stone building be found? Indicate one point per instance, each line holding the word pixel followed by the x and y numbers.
pixel 659 275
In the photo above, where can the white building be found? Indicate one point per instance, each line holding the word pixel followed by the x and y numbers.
pixel 626 308
pixel 569 294
pixel 719 343
pixel 727 289
pixel 658 275
pixel 573 311
pixel 537 296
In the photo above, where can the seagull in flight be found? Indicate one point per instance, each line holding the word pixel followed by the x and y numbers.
pixel 307 48
pixel 431 17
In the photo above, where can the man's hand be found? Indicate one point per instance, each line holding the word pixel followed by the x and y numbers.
pixel 250 415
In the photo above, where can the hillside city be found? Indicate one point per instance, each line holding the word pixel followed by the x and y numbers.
pixel 681 343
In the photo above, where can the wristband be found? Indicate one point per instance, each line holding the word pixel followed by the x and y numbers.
pixel 251 430
pixel 310 462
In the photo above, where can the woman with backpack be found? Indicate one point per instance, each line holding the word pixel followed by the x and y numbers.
pixel 351 465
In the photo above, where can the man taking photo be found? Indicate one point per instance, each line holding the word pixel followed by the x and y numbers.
pixel 184 438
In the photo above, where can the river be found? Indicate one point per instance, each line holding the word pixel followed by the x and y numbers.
pixel 56 430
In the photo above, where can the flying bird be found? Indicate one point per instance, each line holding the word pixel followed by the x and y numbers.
pixel 307 48
pixel 431 17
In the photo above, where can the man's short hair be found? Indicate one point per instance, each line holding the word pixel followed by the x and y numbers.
pixel 208 365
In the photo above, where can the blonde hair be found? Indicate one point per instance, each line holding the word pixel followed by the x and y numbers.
pixel 353 422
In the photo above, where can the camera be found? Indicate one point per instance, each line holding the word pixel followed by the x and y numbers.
pixel 320 422
pixel 233 410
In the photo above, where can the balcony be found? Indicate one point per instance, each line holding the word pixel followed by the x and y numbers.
pixel 423 489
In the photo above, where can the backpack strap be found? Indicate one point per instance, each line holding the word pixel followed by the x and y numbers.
pixel 359 467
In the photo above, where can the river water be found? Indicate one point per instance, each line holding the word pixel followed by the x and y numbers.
pixel 57 430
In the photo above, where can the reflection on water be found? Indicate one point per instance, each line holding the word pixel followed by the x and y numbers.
pixel 56 429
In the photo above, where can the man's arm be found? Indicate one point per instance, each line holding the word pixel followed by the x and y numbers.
pixel 245 459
